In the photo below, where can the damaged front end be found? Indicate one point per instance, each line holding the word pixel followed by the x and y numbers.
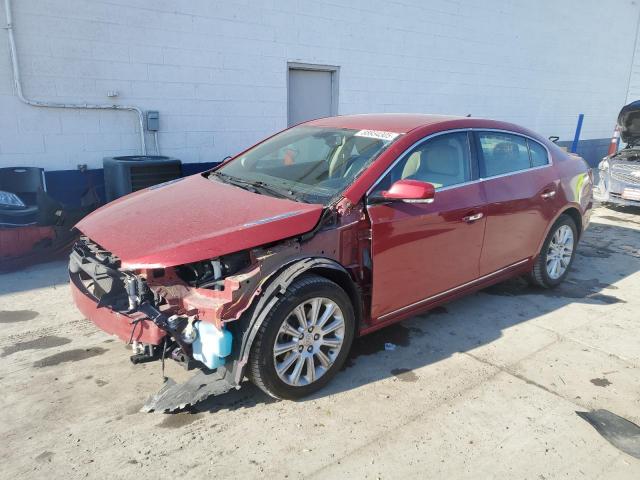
pixel 206 314
pixel 619 178
pixel 175 312
pixel 619 174
pixel 192 313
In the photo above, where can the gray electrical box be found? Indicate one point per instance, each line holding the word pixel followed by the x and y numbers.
pixel 153 120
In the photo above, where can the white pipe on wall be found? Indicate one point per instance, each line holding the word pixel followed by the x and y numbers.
pixel 36 103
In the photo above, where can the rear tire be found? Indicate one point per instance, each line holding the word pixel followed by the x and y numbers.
pixel 304 340
pixel 557 254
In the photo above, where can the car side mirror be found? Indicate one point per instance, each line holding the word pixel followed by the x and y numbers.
pixel 408 191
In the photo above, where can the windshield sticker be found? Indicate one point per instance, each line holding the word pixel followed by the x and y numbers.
pixel 379 134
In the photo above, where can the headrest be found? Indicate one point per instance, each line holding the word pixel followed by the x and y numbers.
pixel 505 151
pixel 442 159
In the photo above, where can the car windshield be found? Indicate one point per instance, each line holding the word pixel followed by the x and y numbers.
pixel 307 164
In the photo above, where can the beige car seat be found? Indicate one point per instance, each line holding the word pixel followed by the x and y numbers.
pixel 439 164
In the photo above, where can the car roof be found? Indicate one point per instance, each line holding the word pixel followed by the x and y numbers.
pixel 388 122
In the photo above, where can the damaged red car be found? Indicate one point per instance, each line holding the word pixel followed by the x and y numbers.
pixel 269 265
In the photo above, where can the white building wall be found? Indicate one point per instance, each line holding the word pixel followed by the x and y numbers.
pixel 216 70
pixel 633 92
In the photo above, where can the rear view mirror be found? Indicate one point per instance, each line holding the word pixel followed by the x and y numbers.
pixel 333 141
pixel 408 191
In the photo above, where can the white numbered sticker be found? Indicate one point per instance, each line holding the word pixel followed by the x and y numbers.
pixel 379 134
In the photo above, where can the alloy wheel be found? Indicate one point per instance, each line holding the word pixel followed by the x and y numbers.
pixel 560 252
pixel 309 341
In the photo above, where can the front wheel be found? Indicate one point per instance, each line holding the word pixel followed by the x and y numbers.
pixel 557 254
pixel 304 339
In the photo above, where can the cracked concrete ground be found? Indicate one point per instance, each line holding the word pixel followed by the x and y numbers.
pixel 484 387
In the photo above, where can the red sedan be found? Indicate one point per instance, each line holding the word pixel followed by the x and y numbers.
pixel 269 265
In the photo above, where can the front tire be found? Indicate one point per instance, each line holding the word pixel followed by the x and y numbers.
pixel 557 254
pixel 304 340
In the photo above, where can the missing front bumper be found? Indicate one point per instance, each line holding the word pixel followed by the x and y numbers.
pixel 112 321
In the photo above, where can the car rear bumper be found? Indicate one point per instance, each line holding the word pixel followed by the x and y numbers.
pixel 112 322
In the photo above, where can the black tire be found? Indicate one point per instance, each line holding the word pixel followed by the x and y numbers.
pixel 539 276
pixel 261 367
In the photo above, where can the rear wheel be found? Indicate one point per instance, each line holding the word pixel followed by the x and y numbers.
pixel 304 340
pixel 557 254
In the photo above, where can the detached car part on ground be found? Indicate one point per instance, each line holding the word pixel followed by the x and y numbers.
pixel 619 174
pixel 271 264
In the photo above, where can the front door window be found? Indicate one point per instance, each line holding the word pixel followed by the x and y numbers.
pixel 443 161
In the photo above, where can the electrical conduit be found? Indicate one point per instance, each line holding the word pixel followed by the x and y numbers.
pixel 38 103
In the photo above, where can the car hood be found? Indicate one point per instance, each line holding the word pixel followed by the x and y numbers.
pixel 193 219
pixel 629 122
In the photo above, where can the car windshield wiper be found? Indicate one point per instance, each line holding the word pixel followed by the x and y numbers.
pixel 257 187
pixel 277 192
pixel 235 181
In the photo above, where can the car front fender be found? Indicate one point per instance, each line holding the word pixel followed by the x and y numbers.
pixel 265 297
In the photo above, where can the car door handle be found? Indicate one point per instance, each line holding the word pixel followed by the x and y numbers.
pixel 548 194
pixel 473 218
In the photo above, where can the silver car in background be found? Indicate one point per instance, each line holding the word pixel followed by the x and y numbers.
pixel 619 173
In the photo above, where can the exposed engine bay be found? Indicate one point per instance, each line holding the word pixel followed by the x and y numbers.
pixel 210 273
pixel 148 293
pixel 180 335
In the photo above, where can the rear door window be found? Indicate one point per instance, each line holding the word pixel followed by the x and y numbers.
pixel 502 153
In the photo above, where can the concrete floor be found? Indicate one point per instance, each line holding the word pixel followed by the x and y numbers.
pixel 486 387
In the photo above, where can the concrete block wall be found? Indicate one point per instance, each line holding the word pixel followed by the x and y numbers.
pixel 216 70
pixel 633 92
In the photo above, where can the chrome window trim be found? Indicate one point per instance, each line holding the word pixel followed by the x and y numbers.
pixel 451 290
pixel 517 172
pixel 470 182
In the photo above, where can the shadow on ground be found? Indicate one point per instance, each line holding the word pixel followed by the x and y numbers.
pixel 607 254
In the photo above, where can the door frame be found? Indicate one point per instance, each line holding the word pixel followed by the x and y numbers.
pixel 474 179
pixel 334 70
pixel 473 153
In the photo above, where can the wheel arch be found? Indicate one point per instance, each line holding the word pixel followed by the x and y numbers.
pixel 273 287
pixel 341 277
pixel 575 215
pixel 572 211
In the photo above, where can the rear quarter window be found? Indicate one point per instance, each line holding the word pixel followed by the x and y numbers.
pixel 539 156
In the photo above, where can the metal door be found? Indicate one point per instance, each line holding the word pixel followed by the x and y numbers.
pixel 311 94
